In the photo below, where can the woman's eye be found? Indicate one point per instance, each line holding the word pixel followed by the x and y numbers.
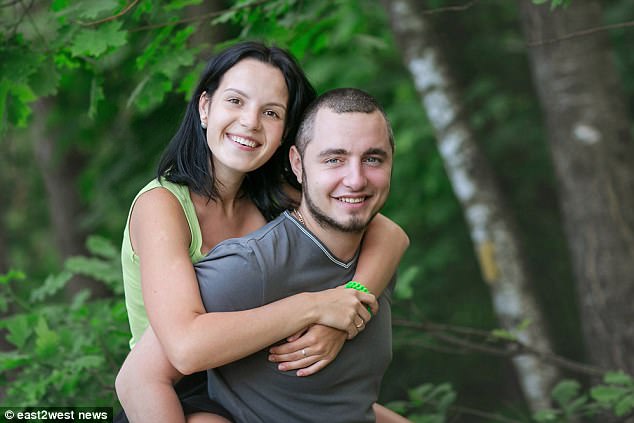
pixel 233 100
pixel 272 114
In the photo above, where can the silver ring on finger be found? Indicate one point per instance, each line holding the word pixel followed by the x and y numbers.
pixel 304 352
pixel 360 325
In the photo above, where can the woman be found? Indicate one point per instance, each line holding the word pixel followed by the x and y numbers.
pixel 220 177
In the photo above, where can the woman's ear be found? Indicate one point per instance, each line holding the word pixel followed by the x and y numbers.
pixel 203 108
pixel 296 163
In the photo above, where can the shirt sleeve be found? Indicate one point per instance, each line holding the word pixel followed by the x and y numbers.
pixel 230 278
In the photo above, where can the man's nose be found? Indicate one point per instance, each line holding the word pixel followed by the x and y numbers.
pixel 355 177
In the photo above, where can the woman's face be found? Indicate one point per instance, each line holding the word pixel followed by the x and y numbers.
pixel 245 117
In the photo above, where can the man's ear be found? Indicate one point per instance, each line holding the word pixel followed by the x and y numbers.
pixel 296 163
pixel 203 107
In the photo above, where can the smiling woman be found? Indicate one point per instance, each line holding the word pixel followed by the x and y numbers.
pixel 244 118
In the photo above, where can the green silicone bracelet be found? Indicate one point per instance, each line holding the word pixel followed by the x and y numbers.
pixel 359 287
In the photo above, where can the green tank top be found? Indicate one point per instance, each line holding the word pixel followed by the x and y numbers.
pixel 137 315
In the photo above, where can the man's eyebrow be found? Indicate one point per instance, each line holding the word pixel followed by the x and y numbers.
pixel 343 152
pixel 243 94
pixel 375 152
pixel 333 152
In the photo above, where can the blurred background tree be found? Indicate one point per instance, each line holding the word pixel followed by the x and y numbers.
pixel 91 92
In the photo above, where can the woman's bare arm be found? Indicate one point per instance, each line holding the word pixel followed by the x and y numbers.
pixel 189 335
pixel 383 247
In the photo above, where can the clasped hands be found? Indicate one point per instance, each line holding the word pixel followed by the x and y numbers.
pixel 315 347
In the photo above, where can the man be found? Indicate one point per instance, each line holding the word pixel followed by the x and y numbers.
pixel 343 159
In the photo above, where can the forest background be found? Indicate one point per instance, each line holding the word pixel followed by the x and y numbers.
pixel 514 178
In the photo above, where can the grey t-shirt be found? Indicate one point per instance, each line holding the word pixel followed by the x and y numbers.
pixel 281 259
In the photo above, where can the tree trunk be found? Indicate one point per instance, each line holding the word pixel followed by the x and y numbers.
pixel 493 231
pixel 207 34
pixel 59 174
pixel 593 154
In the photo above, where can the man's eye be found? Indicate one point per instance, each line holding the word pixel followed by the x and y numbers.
pixel 333 161
pixel 374 160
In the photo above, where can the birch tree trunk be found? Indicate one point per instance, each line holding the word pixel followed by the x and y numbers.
pixel 593 154
pixel 493 231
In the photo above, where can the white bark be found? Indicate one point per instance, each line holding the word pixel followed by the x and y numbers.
pixel 492 229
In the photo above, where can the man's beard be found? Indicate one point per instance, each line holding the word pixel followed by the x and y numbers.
pixel 355 224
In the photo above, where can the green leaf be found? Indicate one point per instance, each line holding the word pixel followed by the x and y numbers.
pixel 103 247
pixel 45 80
pixel 87 362
pixel 179 4
pixel 618 378
pixel 52 285
pixel 406 281
pixel 565 391
pixel 625 405
pixel 607 395
pixel 12 359
pixel 150 92
pixel 524 324
pixel 95 42
pixel 91 9
pixel 543 416
pixel 171 63
pixel 96 95
pixel 19 328
pixel 188 84
pixel 12 275
pixel 503 334
pixel 47 339
pixel 58 5
pixel 93 267
pixel 17 104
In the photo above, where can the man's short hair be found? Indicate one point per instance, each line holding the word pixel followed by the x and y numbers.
pixel 339 100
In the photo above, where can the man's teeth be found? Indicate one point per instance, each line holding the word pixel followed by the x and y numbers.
pixel 351 200
pixel 244 141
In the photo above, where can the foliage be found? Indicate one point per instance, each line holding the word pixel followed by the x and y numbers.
pixel 65 350
pixel 615 395
pixel 430 403
pixel 117 77
pixel 554 3
pixel 426 404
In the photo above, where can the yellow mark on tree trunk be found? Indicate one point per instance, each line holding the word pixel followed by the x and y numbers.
pixel 488 266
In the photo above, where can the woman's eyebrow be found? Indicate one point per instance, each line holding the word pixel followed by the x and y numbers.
pixel 243 94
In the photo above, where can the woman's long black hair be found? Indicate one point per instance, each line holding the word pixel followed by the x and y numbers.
pixel 186 159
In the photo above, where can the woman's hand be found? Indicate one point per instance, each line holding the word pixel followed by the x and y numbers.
pixel 345 309
pixel 309 350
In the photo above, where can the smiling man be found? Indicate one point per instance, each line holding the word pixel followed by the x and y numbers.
pixel 343 159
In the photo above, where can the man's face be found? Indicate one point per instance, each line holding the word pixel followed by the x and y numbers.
pixel 346 168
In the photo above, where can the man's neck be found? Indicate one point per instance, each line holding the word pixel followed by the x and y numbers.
pixel 343 245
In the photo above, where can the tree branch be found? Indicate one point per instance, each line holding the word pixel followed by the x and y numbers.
pixel 199 18
pixel 459 8
pixel 581 33
pixel 509 348
pixel 113 17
